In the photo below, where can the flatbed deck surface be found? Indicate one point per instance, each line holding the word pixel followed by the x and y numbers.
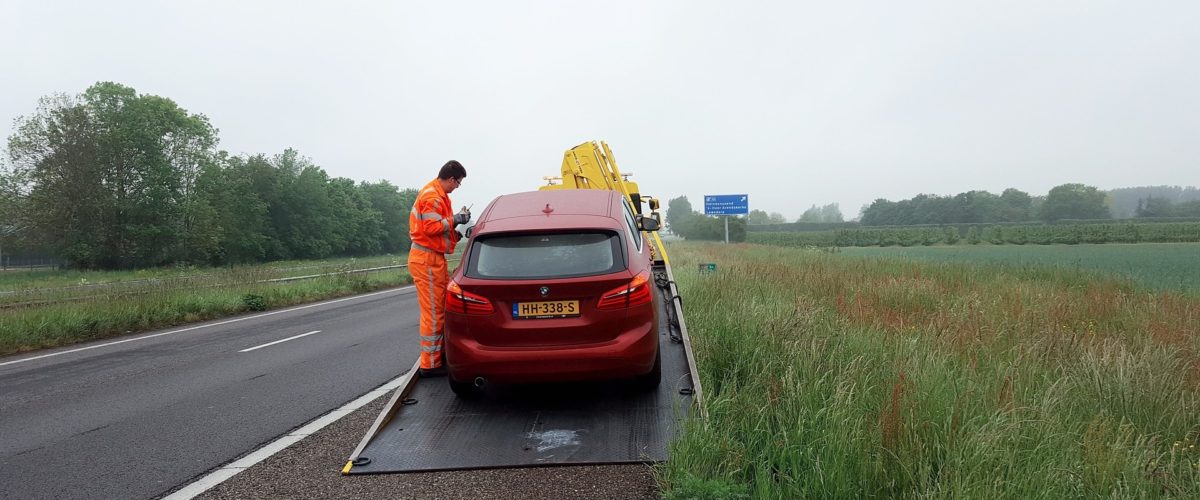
pixel 428 428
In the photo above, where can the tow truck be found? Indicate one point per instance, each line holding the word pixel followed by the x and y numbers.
pixel 424 427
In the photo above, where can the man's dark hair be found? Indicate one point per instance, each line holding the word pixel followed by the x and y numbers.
pixel 452 170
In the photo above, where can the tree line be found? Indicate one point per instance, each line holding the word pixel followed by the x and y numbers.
pixel 115 179
pixel 1124 202
pixel 1063 202
pixel 824 214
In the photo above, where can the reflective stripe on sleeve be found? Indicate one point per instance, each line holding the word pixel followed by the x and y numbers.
pixel 425 216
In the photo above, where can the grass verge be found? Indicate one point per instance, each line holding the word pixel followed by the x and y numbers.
pixel 24 329
pixel 830 376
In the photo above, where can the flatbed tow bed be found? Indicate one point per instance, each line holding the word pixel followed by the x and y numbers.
pixel 425 427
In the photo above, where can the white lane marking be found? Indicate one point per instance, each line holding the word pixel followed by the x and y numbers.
pixel 181 330
pixel 237 466
pixel 268 344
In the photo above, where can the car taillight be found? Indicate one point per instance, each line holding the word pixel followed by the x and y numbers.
pixel 466 302
pixel 636 292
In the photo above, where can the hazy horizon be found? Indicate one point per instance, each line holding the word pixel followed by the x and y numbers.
pixel 795 105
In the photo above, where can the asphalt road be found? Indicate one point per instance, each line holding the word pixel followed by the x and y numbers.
pixel 138 418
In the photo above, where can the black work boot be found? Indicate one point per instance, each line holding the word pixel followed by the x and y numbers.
pixel 432 372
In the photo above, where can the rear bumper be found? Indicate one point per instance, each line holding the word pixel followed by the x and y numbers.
pixel 628 355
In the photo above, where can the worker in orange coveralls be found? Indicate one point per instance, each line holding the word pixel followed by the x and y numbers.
pixel 431 226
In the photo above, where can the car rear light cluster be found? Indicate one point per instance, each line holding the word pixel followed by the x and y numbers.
pixel 634 293
pixel 466 302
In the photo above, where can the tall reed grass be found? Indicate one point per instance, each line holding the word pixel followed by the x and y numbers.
pixel 830 376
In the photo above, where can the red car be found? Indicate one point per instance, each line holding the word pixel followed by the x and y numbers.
pixel 555 286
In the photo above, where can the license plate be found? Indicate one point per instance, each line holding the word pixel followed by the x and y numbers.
pixel 547 309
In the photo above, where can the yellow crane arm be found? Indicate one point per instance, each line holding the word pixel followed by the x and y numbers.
pixel 592 166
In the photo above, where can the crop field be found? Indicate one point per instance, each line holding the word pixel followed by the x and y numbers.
pixel 829 376
pixel 1160 266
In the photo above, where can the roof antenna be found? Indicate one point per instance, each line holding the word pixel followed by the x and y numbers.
pixel 547 210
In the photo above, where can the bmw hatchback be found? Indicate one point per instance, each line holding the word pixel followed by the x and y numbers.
pixel 554 286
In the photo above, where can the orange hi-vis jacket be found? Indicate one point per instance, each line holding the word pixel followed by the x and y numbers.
pixel 431 222
pixel 431 227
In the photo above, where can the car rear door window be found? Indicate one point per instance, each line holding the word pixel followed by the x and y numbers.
pixel 547 255
pixel 634 235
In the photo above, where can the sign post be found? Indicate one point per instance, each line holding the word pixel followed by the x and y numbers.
pixel 726 204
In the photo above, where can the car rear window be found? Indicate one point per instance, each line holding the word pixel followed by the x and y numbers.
pixel 546 255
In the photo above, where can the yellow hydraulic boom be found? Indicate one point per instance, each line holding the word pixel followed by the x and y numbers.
pixel 592 166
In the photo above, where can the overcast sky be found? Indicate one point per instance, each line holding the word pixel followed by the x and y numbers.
pixel 794 103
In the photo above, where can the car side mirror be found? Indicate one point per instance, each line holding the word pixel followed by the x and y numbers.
pixel 653 204
pixel 468 233
pixel 649 223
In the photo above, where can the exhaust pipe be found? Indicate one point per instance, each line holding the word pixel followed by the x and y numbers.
pixel 479 382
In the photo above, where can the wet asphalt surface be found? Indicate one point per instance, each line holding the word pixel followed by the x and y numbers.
pixel 136 417
pixel 312 469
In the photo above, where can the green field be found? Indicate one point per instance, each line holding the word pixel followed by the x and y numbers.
pixel 830 376
pixel 1158 266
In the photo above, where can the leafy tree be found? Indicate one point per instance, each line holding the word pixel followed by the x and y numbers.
pixel 393 206
pixel 243 230
pixel 1155 207
pixel 1074 201
pixel 758 217
pixel 1017 205
pixel 826 213
pixel 1188 209
pixel 880 212
pixel 12 214
pixel 679 212
pixel 932 209
pixel 311 231
pixel 54 159
pixel 111 175
pixel 777 218
pixel 359 224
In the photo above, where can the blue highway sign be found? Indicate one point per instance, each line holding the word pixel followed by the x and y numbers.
pixel 726 204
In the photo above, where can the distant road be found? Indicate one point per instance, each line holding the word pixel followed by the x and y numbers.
pixel 134 417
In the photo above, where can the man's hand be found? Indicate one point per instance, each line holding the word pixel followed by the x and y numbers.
pixel 462 217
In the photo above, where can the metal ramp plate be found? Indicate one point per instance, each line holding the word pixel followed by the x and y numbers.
pixel 428 428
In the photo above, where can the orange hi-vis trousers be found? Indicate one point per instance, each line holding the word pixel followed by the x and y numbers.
pixel 430 277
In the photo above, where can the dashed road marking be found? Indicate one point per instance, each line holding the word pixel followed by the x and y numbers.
pixel 280 341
